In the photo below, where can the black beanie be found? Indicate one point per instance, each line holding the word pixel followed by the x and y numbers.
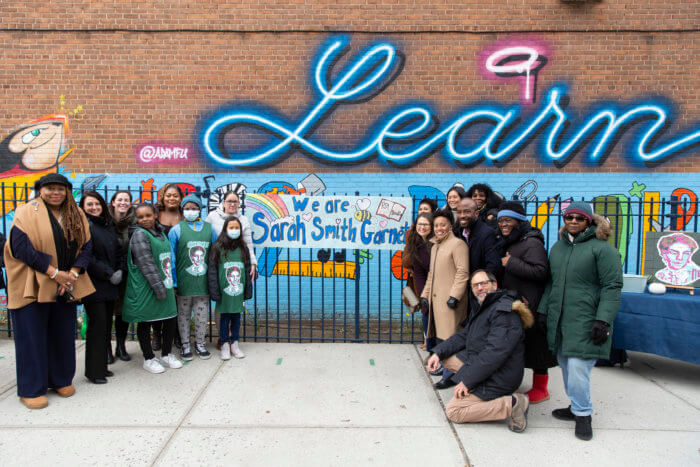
pixel 54 178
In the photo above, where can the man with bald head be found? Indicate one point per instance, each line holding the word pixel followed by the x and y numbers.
pixel 484 250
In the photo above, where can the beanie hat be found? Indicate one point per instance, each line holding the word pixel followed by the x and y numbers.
pixel 52 178
pixel 191 198
pixel 580 207
pixel 512 209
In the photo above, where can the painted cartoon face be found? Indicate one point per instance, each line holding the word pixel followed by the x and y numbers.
pixel 677 255
pixel 39 145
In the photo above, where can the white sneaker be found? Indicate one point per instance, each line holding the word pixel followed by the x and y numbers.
pixel 153 366
pixel 235 350
pixel 170 361
pixel 225 351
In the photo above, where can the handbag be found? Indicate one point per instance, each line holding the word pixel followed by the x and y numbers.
pixel 408 295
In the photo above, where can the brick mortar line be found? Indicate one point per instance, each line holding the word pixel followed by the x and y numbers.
pixel 354 31
pixel 442 406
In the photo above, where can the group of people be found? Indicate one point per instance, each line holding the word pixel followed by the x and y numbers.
pixel 155 266
pixel 493 303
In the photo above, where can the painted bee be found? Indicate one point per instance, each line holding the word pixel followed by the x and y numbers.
pixel 362 216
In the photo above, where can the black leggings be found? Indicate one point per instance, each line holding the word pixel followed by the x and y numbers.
pixel 143 331
pixel 120 328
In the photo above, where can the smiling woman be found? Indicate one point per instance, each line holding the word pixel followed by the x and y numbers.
pixel 45 277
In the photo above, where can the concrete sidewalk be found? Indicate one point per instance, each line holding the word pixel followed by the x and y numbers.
pixel 338 404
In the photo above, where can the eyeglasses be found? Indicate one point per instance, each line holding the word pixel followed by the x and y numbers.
pixel 571 217
pixel 478 285
pixel 232 202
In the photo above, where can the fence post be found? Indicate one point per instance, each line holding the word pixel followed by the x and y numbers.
pixel 357 290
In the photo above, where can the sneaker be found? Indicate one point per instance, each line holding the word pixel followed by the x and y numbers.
pixel 236 351
pixel 202 351
pixel 518 417
pixel 170 361
pixel 153 366
pixel 583 429
pixel 564 414
pixel 225 352
pixel 186 352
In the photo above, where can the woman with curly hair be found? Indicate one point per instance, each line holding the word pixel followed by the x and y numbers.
pixel 487 202
pixel 416 260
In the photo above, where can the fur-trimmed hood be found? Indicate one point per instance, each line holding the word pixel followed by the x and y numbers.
pixel 600 225
pixel 524 312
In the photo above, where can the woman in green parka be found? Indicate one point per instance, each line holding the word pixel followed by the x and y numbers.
pixel 579 306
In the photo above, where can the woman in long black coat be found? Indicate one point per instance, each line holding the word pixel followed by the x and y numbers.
pixel 106 270
pixel 416 260
pixel 526 271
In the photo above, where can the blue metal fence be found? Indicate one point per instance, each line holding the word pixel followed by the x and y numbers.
pixel 337 295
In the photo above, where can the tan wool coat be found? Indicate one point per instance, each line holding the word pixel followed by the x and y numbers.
pixel 448 277
pixel 24 284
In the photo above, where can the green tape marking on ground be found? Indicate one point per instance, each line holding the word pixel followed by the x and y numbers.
pixel 186 362
pixel 371 362
pixel 279 361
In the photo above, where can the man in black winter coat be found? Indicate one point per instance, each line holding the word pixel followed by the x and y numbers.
pixel 488 357
pixel 484 247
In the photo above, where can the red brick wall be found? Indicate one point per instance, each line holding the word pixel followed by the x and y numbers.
pixel 148 71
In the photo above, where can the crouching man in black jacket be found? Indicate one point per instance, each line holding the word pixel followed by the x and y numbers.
pixel 488 357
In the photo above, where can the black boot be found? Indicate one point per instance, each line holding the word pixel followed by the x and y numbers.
pixel 110 355
pixel 121 352
pixel 583 430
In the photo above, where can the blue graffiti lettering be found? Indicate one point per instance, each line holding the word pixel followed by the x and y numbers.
pixel 413 125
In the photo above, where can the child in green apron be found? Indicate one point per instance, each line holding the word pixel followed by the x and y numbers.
pixel 229 283
pixel 190 241
pixel 149 294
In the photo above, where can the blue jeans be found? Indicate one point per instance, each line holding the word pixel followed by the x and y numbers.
pixel 232 321
pixel 577 382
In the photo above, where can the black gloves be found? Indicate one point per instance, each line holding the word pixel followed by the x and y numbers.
pixel 452 303
pixel 424 304
pixel 600 332
pixel 541 322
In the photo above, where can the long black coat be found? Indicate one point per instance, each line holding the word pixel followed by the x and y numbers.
pixel 526 273
pixel 491 346
pixel 484 248
pixel 106 258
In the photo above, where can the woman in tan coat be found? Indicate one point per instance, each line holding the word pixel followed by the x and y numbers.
pixel 446 285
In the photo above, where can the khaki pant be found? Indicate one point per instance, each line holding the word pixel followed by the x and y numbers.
pixel 472 408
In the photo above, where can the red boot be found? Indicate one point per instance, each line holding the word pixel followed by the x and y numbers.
pixel 539 392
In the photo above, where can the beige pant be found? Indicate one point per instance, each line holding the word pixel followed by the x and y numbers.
pixel 472 408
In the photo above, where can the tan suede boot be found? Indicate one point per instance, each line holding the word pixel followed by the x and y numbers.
pixel 66 391
pixel 34 402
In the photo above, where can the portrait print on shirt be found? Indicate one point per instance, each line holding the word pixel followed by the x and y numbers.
pixel 197 254
pixel 166 265
pixel 233 278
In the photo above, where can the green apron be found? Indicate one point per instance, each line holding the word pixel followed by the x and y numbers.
pixel 231 282
pixel 192 259
pixel 140 302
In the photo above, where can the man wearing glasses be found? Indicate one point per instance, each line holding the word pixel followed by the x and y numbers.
pixel 488 357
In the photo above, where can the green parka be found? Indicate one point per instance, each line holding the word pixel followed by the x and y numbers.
pixel 584 286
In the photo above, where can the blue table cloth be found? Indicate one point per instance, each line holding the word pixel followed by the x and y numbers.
pixel 666 325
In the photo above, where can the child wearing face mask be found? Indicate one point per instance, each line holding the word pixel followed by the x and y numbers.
pixel 190 240
pixel 229 283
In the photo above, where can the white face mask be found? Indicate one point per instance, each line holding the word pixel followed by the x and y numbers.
pixel 233 233
pixel 191 215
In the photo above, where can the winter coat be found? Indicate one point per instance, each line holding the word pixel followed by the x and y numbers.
pixel 121 227
pixel 213 280
pixel 419 266
pixel 585 286
pixel 142 256
pixel 526 273
pixel 447 277
pixel 216 219
pixel 491 346
pixel 484 250
pixel 106 258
